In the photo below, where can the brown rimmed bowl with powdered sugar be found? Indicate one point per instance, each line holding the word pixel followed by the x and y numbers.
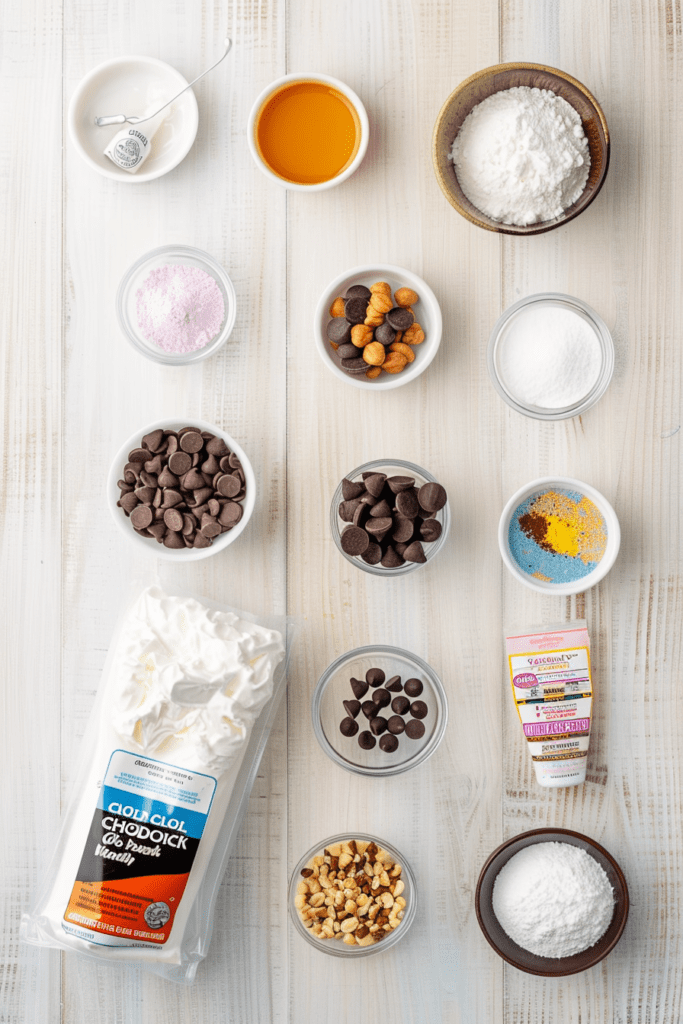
pixel 522 959
pixel 499 78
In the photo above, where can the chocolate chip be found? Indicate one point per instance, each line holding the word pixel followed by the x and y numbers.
pixel 192 442
pixel 430 530
pixel 347 509
pixel 173 519
pixel 354 540
pixel 357 365
pixel 413 687
pixel 354 310
pixel 141 517
pixel 359 687
pixel 394 684
pixel 415 553
pixel 347 351
pixel 415 729
pixel 217 446
pixel 228 485
pixel 130 500
pixel 374 484
pixel 432 497
pixel 385 334
pixel 375 677
pixel 396 725
pixel 378 725
pixel 138 455
pixel 179 463
pixel 400 705
pixel 153 440
pixel 403 529
pixel 373 554
pixel 352 707
pixel 391 558
pixel 380 510
pixel 400 483
pixel 173 540
pixel 351 490
pixel 407 504
pixel 388 743
pixel 381 697
pixel 366 740
pixel 230 514
pixel 339 330
pixel 358 291
pixel 369 708
pixel 419 709
pixel 378 527
pixel 348 727
pixel 399 318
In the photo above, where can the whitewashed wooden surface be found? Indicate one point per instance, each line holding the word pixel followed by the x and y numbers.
pixel 72 389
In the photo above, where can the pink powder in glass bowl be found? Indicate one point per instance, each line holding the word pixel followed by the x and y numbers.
pixel 176 305
pixel 180 308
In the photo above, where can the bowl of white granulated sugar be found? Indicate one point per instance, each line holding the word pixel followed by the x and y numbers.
pixel 520 148
pixel 552 902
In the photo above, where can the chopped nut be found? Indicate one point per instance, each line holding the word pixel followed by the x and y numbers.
pixel 350 939
pixel 350 924
pixel 300 901
pixel 302 888
pixel 399 887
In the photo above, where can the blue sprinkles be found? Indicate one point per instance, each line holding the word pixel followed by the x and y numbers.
pixel 534 560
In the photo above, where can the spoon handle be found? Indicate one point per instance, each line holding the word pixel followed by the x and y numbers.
pixel 101 122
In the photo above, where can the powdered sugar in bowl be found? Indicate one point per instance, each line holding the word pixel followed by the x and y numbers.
pixel 176 305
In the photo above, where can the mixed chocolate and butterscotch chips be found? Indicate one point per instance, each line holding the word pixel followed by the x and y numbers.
pixel 388 728
pixel 182 488
pixel 371 332
pixel 351 892
pixel 390 518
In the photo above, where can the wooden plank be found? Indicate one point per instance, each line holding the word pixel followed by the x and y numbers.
pixel 30 371
pixel 403 63
pixel 215 200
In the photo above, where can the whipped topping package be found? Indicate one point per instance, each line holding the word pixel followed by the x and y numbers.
pixel 187 700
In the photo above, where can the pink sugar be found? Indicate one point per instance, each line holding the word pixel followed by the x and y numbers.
pixel 179 308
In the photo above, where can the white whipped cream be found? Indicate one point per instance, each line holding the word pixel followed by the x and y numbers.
pixel 190 681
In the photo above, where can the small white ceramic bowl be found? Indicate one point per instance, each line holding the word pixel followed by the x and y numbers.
pixel 126 302
pixel 147 544
pixel 132 85
pixel 563 483
pixel 353 99
pixel 427 314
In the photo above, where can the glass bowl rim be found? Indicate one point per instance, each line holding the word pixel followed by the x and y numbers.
pixel 421 755
pixel 350 951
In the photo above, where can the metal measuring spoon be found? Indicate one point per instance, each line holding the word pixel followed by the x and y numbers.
pixel 101 122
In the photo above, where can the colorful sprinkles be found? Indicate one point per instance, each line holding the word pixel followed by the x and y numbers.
pixel 558 536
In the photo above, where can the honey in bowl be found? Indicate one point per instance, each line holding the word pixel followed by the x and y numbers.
pixel 307 132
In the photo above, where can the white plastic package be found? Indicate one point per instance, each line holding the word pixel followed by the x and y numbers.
pixel 187 699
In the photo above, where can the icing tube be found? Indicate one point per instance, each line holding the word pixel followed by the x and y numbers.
pixel 550 675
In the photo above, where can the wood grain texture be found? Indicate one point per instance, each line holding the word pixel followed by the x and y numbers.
pixel 76 390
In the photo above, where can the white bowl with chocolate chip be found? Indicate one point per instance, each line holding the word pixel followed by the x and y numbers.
pixel 427 315
pixel 231 521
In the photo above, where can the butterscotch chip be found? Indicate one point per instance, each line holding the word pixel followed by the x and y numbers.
pixel 374 353
pixel 380 286
pixel 337 307
pixel 414 335
pixel 394 362
pixel 405 350
pixel 361 335
pixel 381 301
pixel 406 297
pixel 373 371
pixel 373 318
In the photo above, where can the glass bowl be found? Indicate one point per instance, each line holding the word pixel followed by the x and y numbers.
pixel 392 467
pixel 337 947
pixel 333 688
pixel 497 344
pixel 184 255
pixel 522 959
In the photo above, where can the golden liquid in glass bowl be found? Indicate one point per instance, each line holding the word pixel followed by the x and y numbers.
pixel 307 132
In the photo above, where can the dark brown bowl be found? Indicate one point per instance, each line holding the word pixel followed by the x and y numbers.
pixel 485 83
pixel 522 959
